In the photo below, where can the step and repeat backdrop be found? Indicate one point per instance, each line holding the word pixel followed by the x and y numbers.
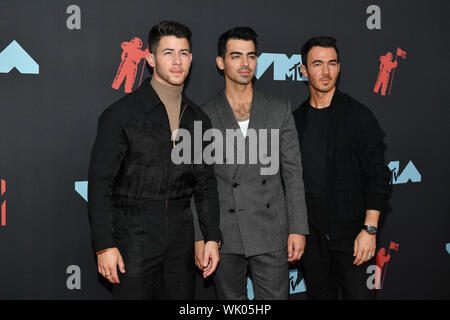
pixel 63 62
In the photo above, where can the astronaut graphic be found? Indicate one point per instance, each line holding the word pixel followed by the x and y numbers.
pixel 131 57
pixel 387 64
pixel 382 258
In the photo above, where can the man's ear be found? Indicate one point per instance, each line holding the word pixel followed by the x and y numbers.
pixel 304 70
pixel 220 63
pixel 150 59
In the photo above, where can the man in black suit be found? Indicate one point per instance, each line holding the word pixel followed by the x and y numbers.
pixel 346 179
pixel 139 199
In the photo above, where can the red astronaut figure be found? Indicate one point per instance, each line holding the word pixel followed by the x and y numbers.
pixel 131 57
pixel 386 66
pixel 381 259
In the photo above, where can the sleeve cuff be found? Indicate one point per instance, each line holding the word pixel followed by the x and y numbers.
pixel 213 235
pixel 303 230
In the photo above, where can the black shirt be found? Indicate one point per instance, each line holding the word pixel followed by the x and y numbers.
pixel 314 153
pixel 314 142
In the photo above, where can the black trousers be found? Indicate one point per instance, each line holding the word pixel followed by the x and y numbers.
pixel 327 265
pixel 329 272
pixel 157 244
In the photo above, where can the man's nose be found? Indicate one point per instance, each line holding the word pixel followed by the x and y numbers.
pixel 245 61
pixel 177 58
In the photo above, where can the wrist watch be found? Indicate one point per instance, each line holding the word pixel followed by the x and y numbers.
pixel 219 243
pixel 370 229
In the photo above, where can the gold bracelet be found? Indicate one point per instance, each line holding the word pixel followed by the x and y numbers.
pixel 103 251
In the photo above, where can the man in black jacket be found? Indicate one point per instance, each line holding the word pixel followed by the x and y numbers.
pixel 139 200
pixel 346 179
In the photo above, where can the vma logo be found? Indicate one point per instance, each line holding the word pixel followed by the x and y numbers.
pixel 296 284
pixel 3 202
pixel 81 187
pixel 410 173
pixel 14 56
pixel 283 67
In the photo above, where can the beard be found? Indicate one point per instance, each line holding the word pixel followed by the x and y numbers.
pixel 167 76
pixel 319 86
pixel 236 77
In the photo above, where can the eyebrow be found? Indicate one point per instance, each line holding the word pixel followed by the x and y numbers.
pixel 171 49
pixel 241 53
pixel 333 60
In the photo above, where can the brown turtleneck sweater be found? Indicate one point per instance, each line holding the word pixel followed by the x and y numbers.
pixel 171 98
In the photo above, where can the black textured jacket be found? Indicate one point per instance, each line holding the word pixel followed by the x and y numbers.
pixel 357 176
pixel 131 163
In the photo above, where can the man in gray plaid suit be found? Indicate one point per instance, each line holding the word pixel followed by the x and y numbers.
pixel 262 203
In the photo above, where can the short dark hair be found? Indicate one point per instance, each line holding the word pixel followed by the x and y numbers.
pixel 238 33
pixel 321 41
pixel 167 28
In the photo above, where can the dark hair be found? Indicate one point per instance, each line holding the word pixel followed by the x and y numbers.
pixel 325 42
pixel 167 28
pixel 238 33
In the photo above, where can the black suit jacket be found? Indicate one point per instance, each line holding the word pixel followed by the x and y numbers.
pixel 131 163
pixel 357 176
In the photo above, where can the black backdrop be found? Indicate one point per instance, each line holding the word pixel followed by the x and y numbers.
pixel 48 121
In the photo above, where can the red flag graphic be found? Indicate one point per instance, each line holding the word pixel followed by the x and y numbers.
pixel 3 205
pixel 393 246
pixel 401 53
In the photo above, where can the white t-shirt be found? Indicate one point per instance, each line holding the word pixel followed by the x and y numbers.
pixel 244 126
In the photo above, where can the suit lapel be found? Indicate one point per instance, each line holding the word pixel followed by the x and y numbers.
pixel 228 121
pixel 225 113
pixel 258 120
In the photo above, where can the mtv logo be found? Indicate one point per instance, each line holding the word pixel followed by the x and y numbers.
pixel 283 67
pixel 295 286
pixel 409 173
pixel 14 56
pixel 82 188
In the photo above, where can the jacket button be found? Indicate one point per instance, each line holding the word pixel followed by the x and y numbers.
pixel 268 205
pixel 235 185
pixel 231 210
pixel 264 181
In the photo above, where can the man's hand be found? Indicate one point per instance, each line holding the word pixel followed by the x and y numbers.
pixel 296 247
pixel 210 258
pixel 199 248
pixel 365 245
pixel 107 264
